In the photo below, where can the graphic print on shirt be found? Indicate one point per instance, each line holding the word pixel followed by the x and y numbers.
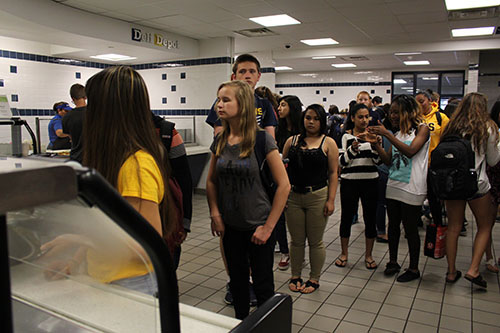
pixel 401 166
pixel 236 179
pixel 258 115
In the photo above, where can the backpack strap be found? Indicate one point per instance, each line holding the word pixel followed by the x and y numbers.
pixel 260 147
pixel 439 118
pixel 166 133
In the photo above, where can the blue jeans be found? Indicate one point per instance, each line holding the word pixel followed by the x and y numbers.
pixel 145 284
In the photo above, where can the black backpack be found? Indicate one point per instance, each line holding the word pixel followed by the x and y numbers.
pixel 335 131
pixel 452 169
pixel 266 176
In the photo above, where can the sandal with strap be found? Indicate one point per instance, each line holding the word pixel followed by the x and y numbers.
pixel 458 274
pixel 295 283
pixel 370 264
pixel 478 280
pixel 342 263
pixel 491 265
pixel 311 284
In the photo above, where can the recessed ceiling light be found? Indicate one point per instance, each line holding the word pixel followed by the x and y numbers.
pixel 481 31
pixel 465 4
pixel 324 57
pixel 112 57
pixel 407 53
pixel 274 20
pixel 282 68
pixel 344 65
pixel 319 41
pixel 309 74
pixel 399 81
pixel 417 62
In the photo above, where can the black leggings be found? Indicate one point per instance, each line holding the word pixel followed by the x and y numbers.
pixel 398 212
pixel 351 190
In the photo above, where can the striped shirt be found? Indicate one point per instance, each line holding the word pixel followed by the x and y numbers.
pixel 361 164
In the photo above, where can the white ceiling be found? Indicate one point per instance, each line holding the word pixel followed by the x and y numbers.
pixel 373 28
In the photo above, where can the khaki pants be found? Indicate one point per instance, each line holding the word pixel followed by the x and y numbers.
pixel 305 220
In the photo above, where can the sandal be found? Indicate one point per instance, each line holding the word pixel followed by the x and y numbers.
pixel 458 274
pixel 342 263
pixel 295 283
pixel 478 280
pixel 492 266
pixel 370 264
pixel 310 284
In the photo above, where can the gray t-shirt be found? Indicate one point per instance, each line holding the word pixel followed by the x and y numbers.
pixel 242 200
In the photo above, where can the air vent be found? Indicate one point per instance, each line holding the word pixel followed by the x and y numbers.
pixel 474 14
pixel 354 58
pixel 259 32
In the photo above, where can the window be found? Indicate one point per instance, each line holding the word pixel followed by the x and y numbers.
pixel 446 83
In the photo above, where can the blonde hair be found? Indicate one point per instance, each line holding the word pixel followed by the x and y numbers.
pixel 410 113
pixel 246 112
pixel 472 121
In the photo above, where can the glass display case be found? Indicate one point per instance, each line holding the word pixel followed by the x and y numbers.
pixel 81 259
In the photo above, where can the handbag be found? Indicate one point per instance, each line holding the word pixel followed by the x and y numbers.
pixel 435 241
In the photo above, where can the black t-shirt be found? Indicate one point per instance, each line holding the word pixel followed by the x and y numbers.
pixel 73 125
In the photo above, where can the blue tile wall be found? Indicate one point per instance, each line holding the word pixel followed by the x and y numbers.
pixel 372 91
pixel 281 92
pixel 13 69
pixel 183 100
pixel 331 92
pixel 317 92
pixel 324 99
pixel 14 98
pixel 267 70
pixel 183 75
pixel 78 75
pixel 164 76
pixel 1 82
pixel 388 91
pixel 332 84
pixel 163 100
pixel 74 62
pixel 173 88
pixel 182 112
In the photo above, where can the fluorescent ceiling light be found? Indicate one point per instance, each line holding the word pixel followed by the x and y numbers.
pixel 319 41
pixel 274 20
pixel 429 78
pixel 482 31
pixel 324 57
pixel 363 72
pixel 407 53
pixel 282 68
pixel 309 74
pixel 399 81
pixel 112 57
pixel 417 62
pixel 465 4
pixel 343 65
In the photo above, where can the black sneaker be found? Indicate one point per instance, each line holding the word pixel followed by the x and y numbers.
pixel 408 276
pixel 253 297
pixel 228 299
pixel 391 268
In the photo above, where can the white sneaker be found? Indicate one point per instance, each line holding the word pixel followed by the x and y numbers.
pixel 284 262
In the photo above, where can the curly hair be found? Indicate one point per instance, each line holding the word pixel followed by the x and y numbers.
pixel 410 112
pixel 472 121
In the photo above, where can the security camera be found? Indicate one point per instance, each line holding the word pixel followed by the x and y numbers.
pixel 287 46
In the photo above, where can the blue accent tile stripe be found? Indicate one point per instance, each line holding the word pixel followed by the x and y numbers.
pixel 332 84
pixel 267 70
pixel 182 112
pixel 160 112
pixel 92 64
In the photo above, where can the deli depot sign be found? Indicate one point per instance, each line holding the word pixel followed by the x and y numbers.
pixel 141 36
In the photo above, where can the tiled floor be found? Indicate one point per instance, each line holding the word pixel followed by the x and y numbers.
pixel 353 299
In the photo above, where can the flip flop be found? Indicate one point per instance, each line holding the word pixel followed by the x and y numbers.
pixel 311 284
pixel 369 264
pixel 492 266
pixel 458 274
pixel 478 280
pixel 295 282
pixel 343 263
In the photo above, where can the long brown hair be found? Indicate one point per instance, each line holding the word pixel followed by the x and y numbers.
pixel 248 123
pixel 410 113
pixel 472 121
pixel 118 123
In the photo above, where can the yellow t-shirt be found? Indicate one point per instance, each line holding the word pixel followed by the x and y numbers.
pixel 138 177
pixel 434 127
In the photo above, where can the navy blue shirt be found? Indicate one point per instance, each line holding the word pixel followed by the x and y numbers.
pixel 264 114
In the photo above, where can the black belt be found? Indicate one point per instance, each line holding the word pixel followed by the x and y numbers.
pixel 307 189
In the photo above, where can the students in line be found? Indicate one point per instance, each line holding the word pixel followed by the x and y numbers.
pixel 407 186
pixel 359 179
pixel 240 210
pixel 312 169
pixel 471 121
